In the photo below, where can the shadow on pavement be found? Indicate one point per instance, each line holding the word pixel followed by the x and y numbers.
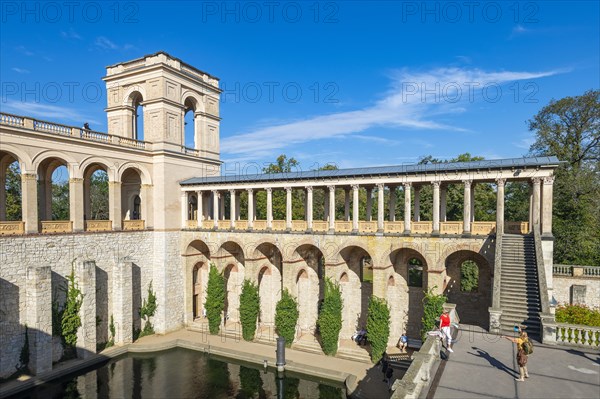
pixel 493 361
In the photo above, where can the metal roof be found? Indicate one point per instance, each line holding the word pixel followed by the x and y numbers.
pixel 377 171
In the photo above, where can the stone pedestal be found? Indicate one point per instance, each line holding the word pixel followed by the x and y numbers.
pixel 122 302
pixel 548 329
pixel 39 318
pixel 86 335
pixel 495 315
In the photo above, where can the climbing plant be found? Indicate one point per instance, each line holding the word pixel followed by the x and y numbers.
pixel 249 309
pixel 23 366
pixel 70 320
pixel 378 326
pixel 111 328
pixel 147 311
pixel 330 318
pixel 215 299
pixel 286 317
pixel 432 309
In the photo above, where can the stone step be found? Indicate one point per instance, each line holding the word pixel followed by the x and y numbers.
pixel 308 343
pixel 352 351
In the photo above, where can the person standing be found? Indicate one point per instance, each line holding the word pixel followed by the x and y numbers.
pixel 445 327
pixel 521 354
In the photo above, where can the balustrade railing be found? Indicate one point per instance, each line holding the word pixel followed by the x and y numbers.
pixel 56 226
pixel 516 227
pixel 49 127
pixel 96 136
pixel 367 226
pixel 577 335
pixel 278 225
pixel 320 225
pixel 98 225
pixel 343 226
pixel 134 224
pixel 208 224
pixel 191 224
pixel 393 227
pixel 576 270
pixel 13 120
pixel 260 225
pixel 12 228
pixel 483 228
pixel 422 227
pixel 451 227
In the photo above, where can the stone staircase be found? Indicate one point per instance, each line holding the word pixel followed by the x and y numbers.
pixel 519 291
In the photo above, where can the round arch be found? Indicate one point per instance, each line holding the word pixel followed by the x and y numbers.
pixel 472 305
pixel 66 159
pixel 269 267
pixel 308 268
pixel 196 264
pixel 25 162
pixel 131 93
pixel 145 175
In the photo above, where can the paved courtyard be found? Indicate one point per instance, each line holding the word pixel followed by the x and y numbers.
pixel 483 366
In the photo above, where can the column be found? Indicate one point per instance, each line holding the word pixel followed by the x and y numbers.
pixel 3 192
pixel 500 206
pixel 269 191
pixel 530 208
pixel 87 203
pixel 222 206
pixel 392 204
pixel 355 208
pixel 76 203
pixel 536 201
pixel 369 210
pixel 237 205
pixel 547 206
pixel 86 334
pixel 380 205
pixel 467 207
pixel 443 191
pixel 417 210
pixel 184 209
pixel 232 205
pixel 407 208
pixel 332 208
pixel 250 208
pixel 309 208
pixel 38 317
pixel 288 208
pixel 473 202
pixel 114 204
pixel 29 202
pixel 200 213
pixel 147 206
pixel 122 298
pixel 347 204
pixel 215 208
pixel 436 207
pixel 325 205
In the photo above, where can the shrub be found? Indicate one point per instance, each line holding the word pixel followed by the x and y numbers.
pixel 432 309
pixel 23 366
pixel 70 321
pixel 378 326
pixel 249 308
pixel 469 276
pixel 286 317
pixel 215 299
pixel 147 311
pixel 330 318
pixel 578 314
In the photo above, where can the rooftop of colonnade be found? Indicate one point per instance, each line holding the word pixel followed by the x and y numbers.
pixel 449 172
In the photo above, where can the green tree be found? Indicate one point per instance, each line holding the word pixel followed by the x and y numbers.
pixel 71 321
pixel 215 299
pixel 432 309
pixel 286 317
pixel 330 317
pixel 99 196
pixel 378 326
pixel 147 311
pixel 12 186
pixel 469 276
pixel 249 309
pixel 569 129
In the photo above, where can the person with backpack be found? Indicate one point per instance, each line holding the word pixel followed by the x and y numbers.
pixel 524 349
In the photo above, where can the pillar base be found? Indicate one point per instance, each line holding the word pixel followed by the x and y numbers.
pixel 466 234
pixel 406 232
pixel 269 229
pixel 379 231
pixel 435 233
pixel 354 232
pixel 249 229
pixel 309 231
pixel 288 229
pixel 331 231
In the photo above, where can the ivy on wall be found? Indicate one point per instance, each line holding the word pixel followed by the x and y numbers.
pixel 330 318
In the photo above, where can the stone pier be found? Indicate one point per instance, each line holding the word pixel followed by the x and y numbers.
pixel 39 318
pixel 86 335
pixel 122 302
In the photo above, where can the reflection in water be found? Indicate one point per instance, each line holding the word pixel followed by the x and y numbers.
pixel 182 373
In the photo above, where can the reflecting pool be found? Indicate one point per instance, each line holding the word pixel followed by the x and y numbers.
pixel 183 373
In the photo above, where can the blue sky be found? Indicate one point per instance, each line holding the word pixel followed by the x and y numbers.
pixel 353 83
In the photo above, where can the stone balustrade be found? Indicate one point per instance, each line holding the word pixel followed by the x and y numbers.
pixel 98 225
pixel 56 226
pixel 12 228
pixel 134 224
pixel 577 335
pixel 516 227
pixel 576 271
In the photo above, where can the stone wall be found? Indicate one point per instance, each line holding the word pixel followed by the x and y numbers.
pixel 154 256
pixel 564 286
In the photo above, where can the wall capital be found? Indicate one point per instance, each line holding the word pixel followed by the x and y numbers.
pixel 549 180
pixel 146 186
pixel 114 183
pixel 500 182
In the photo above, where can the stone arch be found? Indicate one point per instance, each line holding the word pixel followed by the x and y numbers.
pixel 130 94
pixel 472 307
pixel 234 278
pixel 95 207
pixel 46 165
pixel 305 273
pixel 66 158
pixel 196 259
pixel 132 206
pixel 269 265
pixel 14 189
pixel 111 170
pixel 25 162
pixel 144 173
pixel 355 260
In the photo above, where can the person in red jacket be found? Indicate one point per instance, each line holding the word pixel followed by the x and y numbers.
pixel 445 327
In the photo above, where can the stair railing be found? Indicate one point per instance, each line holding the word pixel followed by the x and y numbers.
pixel 548 323
pixel 496 311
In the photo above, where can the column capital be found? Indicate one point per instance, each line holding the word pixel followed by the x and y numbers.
pixel 199 192
pixel 232 191
pixel 250 190
pixel 331 188
pixel 288 189
pixel 355 187
pixel 436 184
pixel 536 180
pixel 380 186
pixel 269 189
pixel 75 180
pixel 407 185
pixel 309 189
pixel 217 193
pixel 500 182
pixel 467 182
pixel 28 176
pixel 549 180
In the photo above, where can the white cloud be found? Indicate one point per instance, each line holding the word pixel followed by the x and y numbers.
pixel 24 51
pixel 106 44
pixel 47 111
pixel 70 34
pixel 416 100
pixel 20 70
